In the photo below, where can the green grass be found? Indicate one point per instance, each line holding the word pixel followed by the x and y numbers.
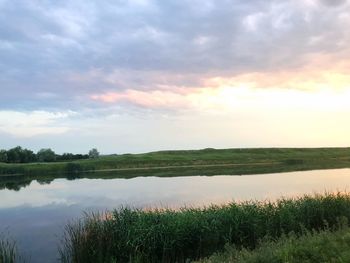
pixel 128 235
pixel 8 251
pixel 241 161
pixel 318 247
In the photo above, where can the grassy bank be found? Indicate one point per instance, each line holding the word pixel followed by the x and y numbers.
pixel 318 247
pixel 175 236
pixel 237 160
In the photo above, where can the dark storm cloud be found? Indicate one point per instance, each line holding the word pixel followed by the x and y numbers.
pixel 56 53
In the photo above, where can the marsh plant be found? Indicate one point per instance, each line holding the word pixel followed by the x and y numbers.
pixel 131 235
pixel 8 250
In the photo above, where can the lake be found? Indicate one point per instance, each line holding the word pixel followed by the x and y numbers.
pixel 35 214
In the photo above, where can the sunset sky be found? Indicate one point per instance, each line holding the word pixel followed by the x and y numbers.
pixel 143 75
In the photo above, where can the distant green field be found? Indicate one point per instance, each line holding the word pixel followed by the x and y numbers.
pixel 238 161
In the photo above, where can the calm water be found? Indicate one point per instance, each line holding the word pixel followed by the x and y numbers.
pixel 36 214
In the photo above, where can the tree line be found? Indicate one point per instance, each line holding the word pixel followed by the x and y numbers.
pixel 22 155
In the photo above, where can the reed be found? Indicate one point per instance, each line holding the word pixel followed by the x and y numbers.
pixel 8 251
pixel 132 235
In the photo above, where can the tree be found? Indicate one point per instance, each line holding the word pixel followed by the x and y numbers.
pixel 27 156
pixel 93 153
pixel 14 155
pixel 46 155
pixel 3 156
pixel 19 155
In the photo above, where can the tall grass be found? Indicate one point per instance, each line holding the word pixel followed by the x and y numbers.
pixel 8 251
pixel 128 235
pixel 321 247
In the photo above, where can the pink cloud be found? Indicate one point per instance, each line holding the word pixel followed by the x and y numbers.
pixel 148 99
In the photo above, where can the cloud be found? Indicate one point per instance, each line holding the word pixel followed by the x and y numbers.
pixel 29 124
pixel 133 44
pixel 146 59
pixel 333 2
pixel 149 99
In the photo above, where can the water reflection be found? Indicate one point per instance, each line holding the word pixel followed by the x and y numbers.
pixel 37 230
pixel 17 182
pixel 36 213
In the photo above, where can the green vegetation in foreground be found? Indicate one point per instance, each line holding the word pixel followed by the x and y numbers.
pixel 318 247
pixel 238 160
pixel 128 235
pixel 8 253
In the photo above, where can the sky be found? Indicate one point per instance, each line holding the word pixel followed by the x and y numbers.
pixel 144 75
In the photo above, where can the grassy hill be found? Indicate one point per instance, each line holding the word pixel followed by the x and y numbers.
pixel 239 160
